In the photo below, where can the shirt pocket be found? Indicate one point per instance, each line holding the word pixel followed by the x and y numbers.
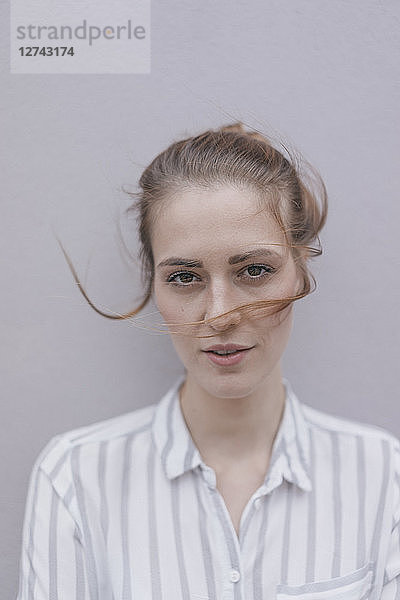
pixel 353 586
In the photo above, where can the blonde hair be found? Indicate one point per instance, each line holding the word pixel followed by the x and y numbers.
pixel 290 188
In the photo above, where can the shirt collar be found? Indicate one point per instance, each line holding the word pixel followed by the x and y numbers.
pixel 290 456
pixel 178 453
pixel 171 435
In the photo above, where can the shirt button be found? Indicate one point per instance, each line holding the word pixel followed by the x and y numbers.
pixel 234 576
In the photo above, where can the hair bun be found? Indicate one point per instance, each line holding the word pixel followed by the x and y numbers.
pixel 238 127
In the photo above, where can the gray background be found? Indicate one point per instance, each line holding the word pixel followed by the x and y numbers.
pixel 321 74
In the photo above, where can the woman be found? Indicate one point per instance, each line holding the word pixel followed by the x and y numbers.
pixel 229 487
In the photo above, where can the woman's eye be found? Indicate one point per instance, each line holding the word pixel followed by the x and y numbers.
pixel 258 271
pixel 252 273
pixel 184 278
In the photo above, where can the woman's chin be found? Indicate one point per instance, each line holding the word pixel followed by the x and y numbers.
pixel 232 386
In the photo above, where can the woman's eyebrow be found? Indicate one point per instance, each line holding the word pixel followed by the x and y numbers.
pixel 233 260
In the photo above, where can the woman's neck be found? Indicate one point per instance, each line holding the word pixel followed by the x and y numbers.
pixel 234 430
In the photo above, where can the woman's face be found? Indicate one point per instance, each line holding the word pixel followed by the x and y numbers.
pixel 202 246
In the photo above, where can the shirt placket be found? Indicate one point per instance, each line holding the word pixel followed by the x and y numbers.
pixel 233 587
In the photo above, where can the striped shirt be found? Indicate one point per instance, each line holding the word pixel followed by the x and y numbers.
pixel 127 509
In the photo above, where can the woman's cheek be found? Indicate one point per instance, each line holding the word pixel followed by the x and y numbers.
pixel 285 316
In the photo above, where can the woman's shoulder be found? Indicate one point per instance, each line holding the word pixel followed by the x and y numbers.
pixel 86 449
pixel 355 449
pixel 354 442
pixel 325 420
pixel 87 440
pixel 334 425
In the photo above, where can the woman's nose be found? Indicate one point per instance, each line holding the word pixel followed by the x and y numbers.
pixel 218 302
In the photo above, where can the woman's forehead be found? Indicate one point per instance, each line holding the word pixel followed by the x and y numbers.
pixel 224 199
pixel 215 217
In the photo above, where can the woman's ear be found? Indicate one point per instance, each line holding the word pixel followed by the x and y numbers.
pixel 299 280
pixel 303 253
pixel 299 283
pixel 153 297
pixel 301 257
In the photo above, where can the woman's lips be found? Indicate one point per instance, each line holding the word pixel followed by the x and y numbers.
pixel 226 347
pixel 228 359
